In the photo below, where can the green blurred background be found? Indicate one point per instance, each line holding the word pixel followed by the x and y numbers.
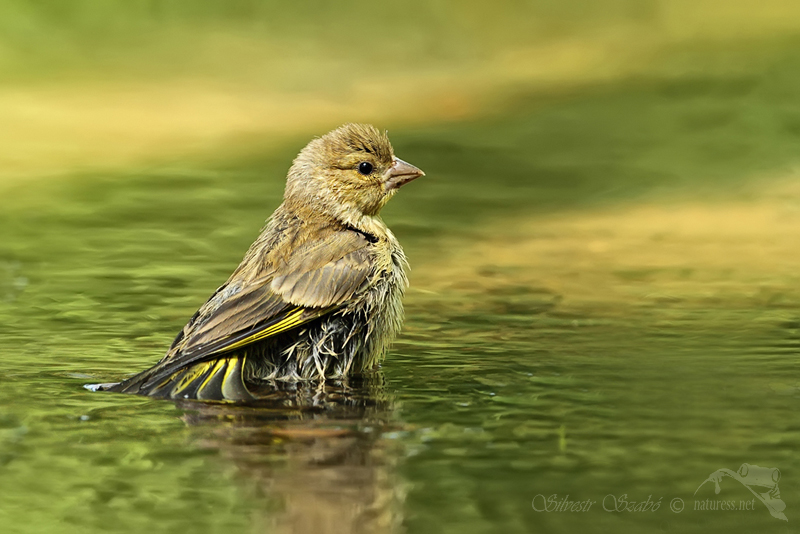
pixel 92 83
pixel 605 296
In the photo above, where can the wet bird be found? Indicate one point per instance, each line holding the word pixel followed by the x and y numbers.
pixel 319 293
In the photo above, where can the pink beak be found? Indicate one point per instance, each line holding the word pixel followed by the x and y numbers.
pixel 400 173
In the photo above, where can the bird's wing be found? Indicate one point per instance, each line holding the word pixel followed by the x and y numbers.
pixel 317 278
pixel 323 272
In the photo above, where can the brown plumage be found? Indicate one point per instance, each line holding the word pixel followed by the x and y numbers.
pixel 318 294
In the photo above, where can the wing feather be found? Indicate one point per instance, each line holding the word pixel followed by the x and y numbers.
pixel 315 279
pixel 326 285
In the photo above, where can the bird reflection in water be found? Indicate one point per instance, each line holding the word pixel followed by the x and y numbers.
pixel 313 453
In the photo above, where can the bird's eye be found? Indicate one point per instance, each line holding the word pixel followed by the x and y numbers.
pixel 365 168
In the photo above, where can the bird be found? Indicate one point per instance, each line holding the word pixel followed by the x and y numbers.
pixel 318 295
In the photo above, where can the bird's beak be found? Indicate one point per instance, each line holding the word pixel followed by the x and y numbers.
pixel 400 173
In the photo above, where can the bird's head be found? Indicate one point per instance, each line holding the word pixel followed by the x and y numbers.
pixel 347 173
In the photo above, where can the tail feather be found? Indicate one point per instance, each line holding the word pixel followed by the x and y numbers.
pixel 216 380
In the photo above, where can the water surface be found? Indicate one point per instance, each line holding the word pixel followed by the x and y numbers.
pixel 604 302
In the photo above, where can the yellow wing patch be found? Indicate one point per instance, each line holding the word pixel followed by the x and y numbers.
pixel 293 319
pixel 217 366
pixel 219 380
pixel 190 375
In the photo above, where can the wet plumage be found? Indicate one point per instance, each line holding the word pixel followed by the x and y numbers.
pixel 319 293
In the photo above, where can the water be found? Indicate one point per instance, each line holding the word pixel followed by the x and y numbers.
pixel 604 302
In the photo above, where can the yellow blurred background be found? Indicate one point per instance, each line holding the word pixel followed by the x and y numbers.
pixel 98 84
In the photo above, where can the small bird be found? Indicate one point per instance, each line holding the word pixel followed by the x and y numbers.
pixel 319 293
